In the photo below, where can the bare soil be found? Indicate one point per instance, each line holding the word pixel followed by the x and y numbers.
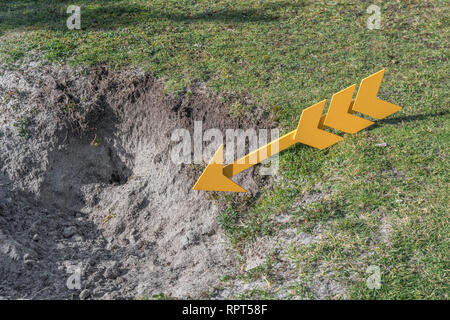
pixel 86 180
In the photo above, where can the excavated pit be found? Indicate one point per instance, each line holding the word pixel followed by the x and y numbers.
pixel 93 187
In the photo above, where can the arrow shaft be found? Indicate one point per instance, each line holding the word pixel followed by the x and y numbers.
pixel 260 154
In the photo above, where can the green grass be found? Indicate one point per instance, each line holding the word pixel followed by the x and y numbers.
pixel 287 55
pixel 22 127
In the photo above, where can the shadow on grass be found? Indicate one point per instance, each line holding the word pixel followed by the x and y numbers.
pixel 411 118
pixel 111 14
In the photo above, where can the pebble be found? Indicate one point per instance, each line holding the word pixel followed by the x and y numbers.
pixel 69 231
pixel 85 294
pixel 27 256
pixel 112 272
pixel 91 262
pixel 78 238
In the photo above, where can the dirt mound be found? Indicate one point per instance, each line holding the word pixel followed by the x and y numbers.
pixel 86 184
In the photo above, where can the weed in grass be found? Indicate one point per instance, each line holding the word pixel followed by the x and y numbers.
pixel 22 127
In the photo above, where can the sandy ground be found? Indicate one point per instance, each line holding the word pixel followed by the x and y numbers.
pixel 87 188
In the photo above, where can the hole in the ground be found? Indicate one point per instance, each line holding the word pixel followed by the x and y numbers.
pixel 116 178
pixel 124 187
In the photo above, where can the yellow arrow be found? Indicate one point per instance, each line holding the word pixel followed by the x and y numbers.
pixel 366 100
pixel 213 178
pixel 216 177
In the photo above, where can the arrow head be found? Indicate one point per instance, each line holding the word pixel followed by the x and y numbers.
pixel 213 179
pixel 366 100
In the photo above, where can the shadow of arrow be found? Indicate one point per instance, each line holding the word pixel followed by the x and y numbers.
pixel 411 118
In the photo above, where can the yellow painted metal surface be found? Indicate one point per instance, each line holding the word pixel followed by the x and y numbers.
pixel 260 154
pixel 310 131
pixel 366 101
pixel 339 116
pixel 212 177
